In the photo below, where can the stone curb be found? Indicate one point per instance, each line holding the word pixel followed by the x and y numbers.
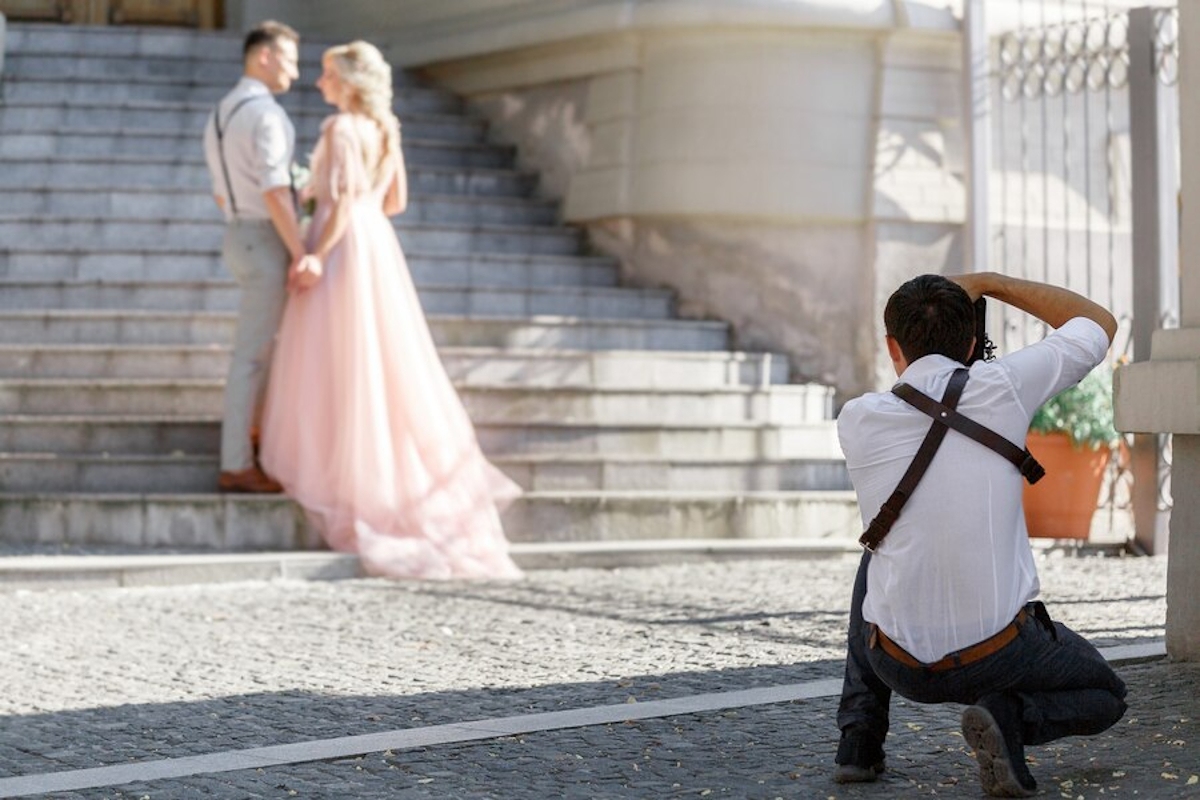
pixel 101 570
pixel 96 571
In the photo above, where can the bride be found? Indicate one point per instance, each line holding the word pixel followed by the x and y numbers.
pixel 361 424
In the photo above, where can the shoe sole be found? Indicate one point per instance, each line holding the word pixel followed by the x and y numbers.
pixel 853 773
pixel 996 772
pixel 247 490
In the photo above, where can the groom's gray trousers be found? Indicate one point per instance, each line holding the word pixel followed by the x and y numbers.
pixel 259 261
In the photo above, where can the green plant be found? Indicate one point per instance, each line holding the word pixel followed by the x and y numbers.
pixel 1084 412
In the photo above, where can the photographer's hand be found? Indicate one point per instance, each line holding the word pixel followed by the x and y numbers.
pixel 1053 305
pixel 975 284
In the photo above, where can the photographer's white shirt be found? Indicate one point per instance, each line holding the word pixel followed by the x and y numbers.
pixel 957 565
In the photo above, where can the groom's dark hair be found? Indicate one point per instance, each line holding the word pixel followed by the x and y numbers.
pixel 268 32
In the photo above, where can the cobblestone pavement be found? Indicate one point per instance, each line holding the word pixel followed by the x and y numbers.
pixel 105 677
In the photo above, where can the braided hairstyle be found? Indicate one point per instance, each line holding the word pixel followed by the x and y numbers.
pixel 369 77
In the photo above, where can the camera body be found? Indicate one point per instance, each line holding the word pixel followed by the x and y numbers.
pixel 984 350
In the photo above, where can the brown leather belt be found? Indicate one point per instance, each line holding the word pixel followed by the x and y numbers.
pixel 959 658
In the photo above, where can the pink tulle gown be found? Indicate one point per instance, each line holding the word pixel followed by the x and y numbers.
pixel 361 424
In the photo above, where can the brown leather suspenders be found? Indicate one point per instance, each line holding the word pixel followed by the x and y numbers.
pixel 944 417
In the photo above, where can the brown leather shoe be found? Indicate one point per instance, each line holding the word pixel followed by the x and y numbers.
pixel 248 481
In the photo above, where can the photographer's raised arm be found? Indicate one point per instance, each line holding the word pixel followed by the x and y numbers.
pixel 1053 305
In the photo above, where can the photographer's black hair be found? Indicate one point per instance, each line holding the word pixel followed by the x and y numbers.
pixel 930 314
pixel 269 33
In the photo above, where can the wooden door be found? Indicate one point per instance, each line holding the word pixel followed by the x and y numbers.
pixel 43 10
pixel 180 13
pixel 185 13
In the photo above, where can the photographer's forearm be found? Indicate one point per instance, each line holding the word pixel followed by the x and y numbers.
pixel 283 216
pixel 1053 305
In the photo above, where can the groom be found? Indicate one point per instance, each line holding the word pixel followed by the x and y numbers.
pixel 248 145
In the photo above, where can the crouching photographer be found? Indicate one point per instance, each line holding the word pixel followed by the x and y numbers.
pixel 944 605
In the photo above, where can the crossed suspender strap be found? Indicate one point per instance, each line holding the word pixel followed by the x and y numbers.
pixel 944 417
pixel 220 130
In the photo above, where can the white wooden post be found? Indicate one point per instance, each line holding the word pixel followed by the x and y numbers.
pixel 977 134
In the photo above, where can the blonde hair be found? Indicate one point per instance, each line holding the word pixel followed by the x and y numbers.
pixel 362 68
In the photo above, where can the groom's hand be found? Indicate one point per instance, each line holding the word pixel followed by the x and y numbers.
pixel 304 273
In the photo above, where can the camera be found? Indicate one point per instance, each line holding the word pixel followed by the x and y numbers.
pixel 985 349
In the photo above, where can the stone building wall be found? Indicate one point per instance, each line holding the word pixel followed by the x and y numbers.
pixel 781 165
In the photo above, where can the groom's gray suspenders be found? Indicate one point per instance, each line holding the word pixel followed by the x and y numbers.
pixel 220 130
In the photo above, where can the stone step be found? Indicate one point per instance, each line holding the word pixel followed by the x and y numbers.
pixel 466 366
pixel 142 328
pixel 229 522
pixel 128 172
pixel 584 302
pixel 134 41
pixel 559 333
pixel 198 205
pixel 186 120
pixel 200 435
pixel 184 474
pixel 165 234
pixel 201 68
pixel 559 472
pixel 38 89
pixel 516 270
pixel 786 404
pixel 22 144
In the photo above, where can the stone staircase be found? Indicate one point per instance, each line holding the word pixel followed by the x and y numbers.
pixel 620 420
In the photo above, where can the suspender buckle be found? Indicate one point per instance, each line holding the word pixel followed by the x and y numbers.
pixel 889 512
pixel 1031 469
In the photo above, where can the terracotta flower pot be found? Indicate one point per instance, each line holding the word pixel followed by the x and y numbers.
pixel 1061 505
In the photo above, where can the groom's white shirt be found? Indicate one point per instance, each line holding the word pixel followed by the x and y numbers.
pixel 259 142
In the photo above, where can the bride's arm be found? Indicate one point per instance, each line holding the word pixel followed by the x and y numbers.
pixel 396 199
pixel 337 140
pixel 335 226
pixel 306 272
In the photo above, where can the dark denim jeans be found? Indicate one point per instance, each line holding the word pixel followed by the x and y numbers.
pixel 863 710
pixel 1062 684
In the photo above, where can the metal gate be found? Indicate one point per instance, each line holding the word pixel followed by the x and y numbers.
pixel 1084 193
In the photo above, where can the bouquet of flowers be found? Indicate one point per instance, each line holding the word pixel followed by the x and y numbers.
pixel 309 269
pixel 306 203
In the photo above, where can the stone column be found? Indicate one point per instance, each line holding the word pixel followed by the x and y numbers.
pixel 1162 395
pixel 2 24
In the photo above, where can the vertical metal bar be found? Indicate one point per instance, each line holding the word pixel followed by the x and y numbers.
pixel 1045 152
pixel 1148 168
pixel 1108 171
pixel 1144 138
pixel 1169 187
pixel 978 134
pixel 1066 131
pixel 1087 157
pixel 1023 106
pixel 1004 189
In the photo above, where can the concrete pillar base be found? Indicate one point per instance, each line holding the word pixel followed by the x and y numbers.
pixel 1183 566
pixel 1162 395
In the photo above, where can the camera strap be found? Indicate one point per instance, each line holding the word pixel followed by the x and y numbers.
pixel 944 417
